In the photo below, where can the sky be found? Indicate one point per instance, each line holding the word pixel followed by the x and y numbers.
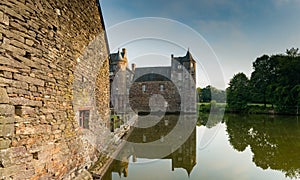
pixel 236 32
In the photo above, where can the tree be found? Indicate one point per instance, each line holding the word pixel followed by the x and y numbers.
pixel 206 94
pixel 293 52
pixel 210 93
pixel 238 92
pixel 262 79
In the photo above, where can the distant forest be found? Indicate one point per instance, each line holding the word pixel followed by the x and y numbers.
pixel 274 82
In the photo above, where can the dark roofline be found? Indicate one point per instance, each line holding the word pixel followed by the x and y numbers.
pixel 153 67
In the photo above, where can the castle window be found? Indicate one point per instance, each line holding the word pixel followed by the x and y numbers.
pixel 84 117
pixel 161 87
pixel 144 88
pixel 192 65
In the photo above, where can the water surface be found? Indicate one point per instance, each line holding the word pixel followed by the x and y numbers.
pixel 244 147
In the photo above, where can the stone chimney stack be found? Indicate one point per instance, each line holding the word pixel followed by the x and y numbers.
pixel 124 52
pixel 133 66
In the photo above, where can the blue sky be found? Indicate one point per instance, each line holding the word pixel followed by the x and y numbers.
pixel 237 30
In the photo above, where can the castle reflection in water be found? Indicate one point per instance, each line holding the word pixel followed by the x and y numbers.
pixel 159 142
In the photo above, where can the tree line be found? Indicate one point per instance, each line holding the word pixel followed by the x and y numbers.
pixel 275 80
pixel 209 93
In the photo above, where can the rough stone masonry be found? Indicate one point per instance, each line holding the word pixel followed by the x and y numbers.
pixel 43 51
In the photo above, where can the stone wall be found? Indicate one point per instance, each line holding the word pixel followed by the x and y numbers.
pixel 42 48
pixel 141 101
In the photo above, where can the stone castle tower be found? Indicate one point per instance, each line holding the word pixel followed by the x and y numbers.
pixel 183 73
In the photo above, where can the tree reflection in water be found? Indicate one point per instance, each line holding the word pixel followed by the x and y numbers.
pixel 274 141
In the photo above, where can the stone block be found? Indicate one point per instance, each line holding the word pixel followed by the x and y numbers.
pixel 27 61
pixel 7 75
pixel 25 130
pixel 12 35
pixel 5 81
pixel 12 13
pixel 33 88
pixel 7 130
pixel 1 16
pixel 7 110
pixel 7 120
pixel 20 101
pixel 3 96
pixel 14 49
pixel 12 63
pixel 11 171
pixel 18 26
pixel 17 91
pixel 19 84
pixel 4 144
pixel 4 68
pixel 4 19
pixel 29 42
pixel 29 80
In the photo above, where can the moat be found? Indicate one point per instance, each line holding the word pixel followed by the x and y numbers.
pixel 243 147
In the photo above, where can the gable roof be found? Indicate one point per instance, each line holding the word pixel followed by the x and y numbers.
pixel 152 74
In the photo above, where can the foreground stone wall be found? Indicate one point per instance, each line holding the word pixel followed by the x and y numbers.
pixel 42 42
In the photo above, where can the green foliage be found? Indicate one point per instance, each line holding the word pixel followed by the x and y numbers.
pixel 238 92
pixel 275 80
pixel 210 93
pixel 261 79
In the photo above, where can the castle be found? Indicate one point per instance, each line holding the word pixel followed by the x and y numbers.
pixel 150 89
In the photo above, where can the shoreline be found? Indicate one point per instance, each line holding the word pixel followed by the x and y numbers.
pixel 99 169
pixel 250 109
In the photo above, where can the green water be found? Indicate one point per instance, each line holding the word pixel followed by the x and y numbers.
pixel 238 147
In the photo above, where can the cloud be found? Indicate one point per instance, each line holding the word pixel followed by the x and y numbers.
pixel 238 31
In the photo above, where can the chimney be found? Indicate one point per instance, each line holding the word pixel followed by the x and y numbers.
pixel 133 66
pixel 124 52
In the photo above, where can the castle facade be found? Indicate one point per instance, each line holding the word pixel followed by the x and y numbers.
pixel 170 89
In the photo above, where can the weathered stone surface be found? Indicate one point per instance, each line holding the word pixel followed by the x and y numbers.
pixel 12 90
pixel 24 110
pixel 25 102
pixel 29 42
pixel 4 144
pixel 12 63
pixel 5 69
pixel 7 120
pixel 29 80
pixel 19 84
pixel 6 110
pixel 3 96
pixel 40 43
pixel 7 130
pixel 25 130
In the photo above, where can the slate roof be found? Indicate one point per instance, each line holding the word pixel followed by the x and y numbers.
pixel 152 74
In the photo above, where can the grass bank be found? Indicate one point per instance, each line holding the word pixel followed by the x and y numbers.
pixel 250 109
